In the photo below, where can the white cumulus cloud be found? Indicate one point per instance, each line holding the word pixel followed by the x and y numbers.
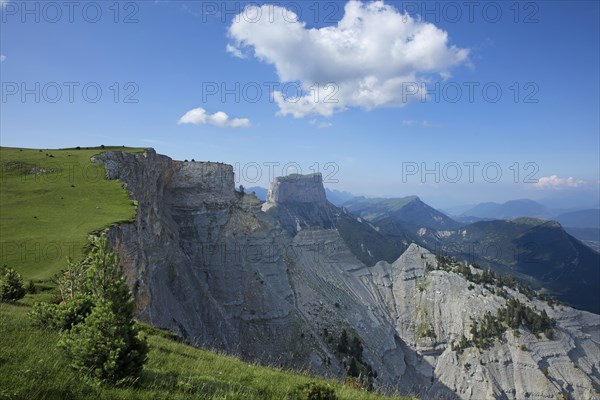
pixel 553 181
pixel 199 116
pixel 371 57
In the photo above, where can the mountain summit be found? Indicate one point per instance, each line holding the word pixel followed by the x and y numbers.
pixel 299 202
pixel 408 211
pixel 297 189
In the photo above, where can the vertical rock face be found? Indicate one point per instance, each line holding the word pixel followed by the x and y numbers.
pixel 298 189
pixel 170 195
pixel 277 284
pixel 195 183
pixel 299 202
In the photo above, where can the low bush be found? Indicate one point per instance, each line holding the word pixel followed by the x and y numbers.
pixel 313 391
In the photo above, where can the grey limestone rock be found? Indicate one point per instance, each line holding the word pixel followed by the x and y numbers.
pixel 276 283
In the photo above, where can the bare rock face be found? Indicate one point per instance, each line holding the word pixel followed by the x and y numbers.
pixel 434 309
pixel 197 183
pixel 297 189
pixel 299 202
pixel 277 284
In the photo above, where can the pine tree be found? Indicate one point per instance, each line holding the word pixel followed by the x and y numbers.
pixel 106 346
pixel 74 304
pixel 11 285
pixel 70 280
pixel 105 280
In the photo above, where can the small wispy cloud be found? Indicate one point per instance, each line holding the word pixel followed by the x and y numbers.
pixel 424 123
pixel 2 57
pixel 235 51
pixel 199 116
pixel 320 124
pixel 555 182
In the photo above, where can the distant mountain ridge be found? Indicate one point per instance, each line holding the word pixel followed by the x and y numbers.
pixel 540 252
pixel 338 197
pixel 509 210
pixel 580 219
pixel 408 210
pixel 582 224
pixel 537 251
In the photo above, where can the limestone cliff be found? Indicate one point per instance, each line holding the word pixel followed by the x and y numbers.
pixel 207 263
pixel 299 202
pixel 276 283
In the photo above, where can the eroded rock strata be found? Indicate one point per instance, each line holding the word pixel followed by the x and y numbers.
pixel 276 283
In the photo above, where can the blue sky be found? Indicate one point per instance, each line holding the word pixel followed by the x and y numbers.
pixel 166 56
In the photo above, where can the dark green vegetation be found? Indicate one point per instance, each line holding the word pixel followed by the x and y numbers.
pixel 11 285
pixel 513 315
pixel 313 391
pixel 50 200
pixel 94 312
pixel 516 315
pixel 357 368
pixel 360 374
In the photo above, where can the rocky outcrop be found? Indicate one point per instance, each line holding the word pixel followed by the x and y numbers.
pixel 277 283
pixel 299 202
pixel 434 309
pixel 297 189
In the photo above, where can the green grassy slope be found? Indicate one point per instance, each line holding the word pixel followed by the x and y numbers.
pixel 32 367
pixel 48 205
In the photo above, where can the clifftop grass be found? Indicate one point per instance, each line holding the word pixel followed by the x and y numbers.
pixel 50 200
